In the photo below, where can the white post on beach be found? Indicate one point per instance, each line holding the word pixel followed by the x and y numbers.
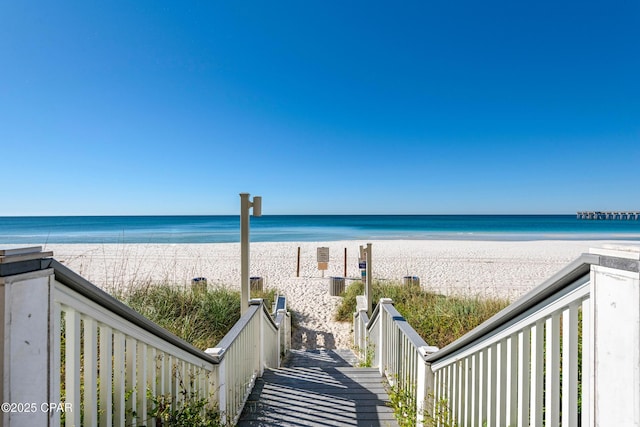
pixel 245 205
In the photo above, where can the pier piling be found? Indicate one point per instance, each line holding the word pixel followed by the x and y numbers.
pixel 610 215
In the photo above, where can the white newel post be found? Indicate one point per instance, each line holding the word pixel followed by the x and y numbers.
pixel 368 290
pixel 425 385
pixel 382 333
pixel 361 309
pixel 615 353
pixel 219 381
pixel 282 329
pixel 26 304
pixel 262 345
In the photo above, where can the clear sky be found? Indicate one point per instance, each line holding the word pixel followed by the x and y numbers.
pixel 464 106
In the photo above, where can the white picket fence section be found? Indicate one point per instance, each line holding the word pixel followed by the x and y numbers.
pixel 242 356
pixel 80 357
pixel 536 363
pixel 128 361
pixel 513 376
pixel 398 351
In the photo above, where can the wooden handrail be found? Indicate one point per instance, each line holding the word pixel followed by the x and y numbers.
pixel 85 288
pixel 568 275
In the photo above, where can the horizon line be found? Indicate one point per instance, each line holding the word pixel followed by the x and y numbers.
pixel 297 214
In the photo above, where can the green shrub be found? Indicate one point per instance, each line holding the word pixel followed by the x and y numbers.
pixel 438 319
pixel 201 318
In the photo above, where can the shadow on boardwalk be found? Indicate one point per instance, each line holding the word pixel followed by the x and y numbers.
pixel 319 388
pixel 311 339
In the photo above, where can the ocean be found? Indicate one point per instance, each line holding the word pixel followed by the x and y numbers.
pixel 277 228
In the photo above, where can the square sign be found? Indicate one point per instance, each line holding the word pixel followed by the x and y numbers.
pixel 323 255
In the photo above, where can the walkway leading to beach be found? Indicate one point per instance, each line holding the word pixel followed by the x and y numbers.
pixel 319 388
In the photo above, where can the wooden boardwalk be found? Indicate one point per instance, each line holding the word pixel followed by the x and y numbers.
pixel 319 388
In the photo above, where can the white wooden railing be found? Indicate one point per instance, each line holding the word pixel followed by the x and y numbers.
pixel 72 354
pixel 127 360
pixel 283 323
pixel 360 324
pixel 537 362
pixel 242 356
pixel 389 343
pixel 513 375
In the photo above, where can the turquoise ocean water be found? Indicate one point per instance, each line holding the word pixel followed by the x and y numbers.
pixel 214 229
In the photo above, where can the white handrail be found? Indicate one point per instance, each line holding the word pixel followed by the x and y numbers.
pixel 128 360
pixel 360 322
pixel 242 356
pixel 283 324
pixel 398 351
pixel 116 364
pixel 512 376
pixel 567 276
pixel 534 361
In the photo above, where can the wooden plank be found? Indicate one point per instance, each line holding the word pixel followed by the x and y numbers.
pixel 492 393
pixel 25 256
pixel 72 365
pixel 482 397
pixel 537 373
pixel 119 378
pixel 90 372
pixel 329 393
pixel 142 381
pixel 512 381
pixel 21 251
pixel 131 379
pixel 106 375
pixel 524 383
pixel 552 384
pixel 475 416
pixel 587 372
pixel 570 366
pixel 152 378
pixel 501 404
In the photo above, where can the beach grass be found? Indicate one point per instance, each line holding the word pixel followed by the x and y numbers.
pixel 202 318
pixel 438 319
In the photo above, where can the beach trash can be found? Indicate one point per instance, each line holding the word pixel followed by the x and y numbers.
pixel 336 286
pixel 411 281
pixel 256 283
pixel 199 284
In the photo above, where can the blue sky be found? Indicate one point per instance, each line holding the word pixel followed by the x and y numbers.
pixel 157 107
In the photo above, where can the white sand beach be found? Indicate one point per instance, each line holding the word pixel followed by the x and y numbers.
pixel 485 268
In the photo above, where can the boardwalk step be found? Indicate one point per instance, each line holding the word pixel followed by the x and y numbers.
pixel 319 388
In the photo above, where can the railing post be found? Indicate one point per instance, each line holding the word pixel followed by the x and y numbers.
pixel 356 330
pixel 282 334
pixel 26 304
pixel 382 344
pixel 425 386
pixel 288 335
pixel 615 338
pixel 368 289
pixel 361 309
pixel 220 381
pixel 262 347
